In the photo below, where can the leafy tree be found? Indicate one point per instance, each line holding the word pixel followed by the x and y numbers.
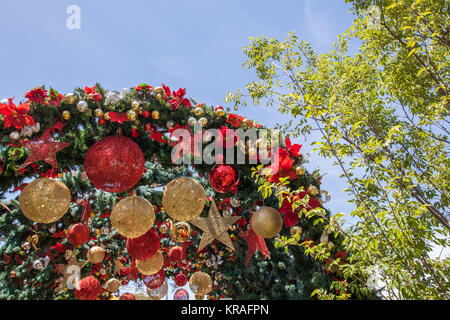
pixel 383 115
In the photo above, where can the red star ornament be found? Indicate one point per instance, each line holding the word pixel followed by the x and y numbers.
pixel 43 149
pixel 254 243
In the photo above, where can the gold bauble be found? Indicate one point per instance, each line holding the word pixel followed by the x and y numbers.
pixel 132 217
pixel 96 254
pixel 45 200
pixel 266 222
pixel 312 190
pixel 220 112
pixel 155 114
pixel 200 283
pixel 106 116
pixel 66 115
pixel 151 265
pixel 198 111
pixel 199 297
pixel 181 231
pixel 192 121
pixel 131 115
pixel 184 199
pixel 70 98
pixel 296 231
pixel 98 112
pixel 203 121
pixel 112 285
pixel 299 170
pixel 158 293
pixel 135 105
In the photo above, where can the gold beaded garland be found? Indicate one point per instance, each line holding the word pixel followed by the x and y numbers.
pixel 184 199
pixel 132 217
pixel 45 200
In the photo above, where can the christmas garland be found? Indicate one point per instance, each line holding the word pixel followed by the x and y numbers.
pixel 50 134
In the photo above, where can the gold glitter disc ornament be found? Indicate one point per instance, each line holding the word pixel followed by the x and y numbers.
pixel 151 265
pixel 266 222
pixel 112 285
pixel 200 283
pixel 132 217
pixel 184 199
pixel 158 293
pixel 45 200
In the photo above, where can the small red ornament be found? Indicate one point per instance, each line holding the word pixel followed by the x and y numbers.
pixel 177 253
pixel 181 294
pixel 89 289
pixel 96 96
pixel 180 280
pixel 114 164
pixel 127 296
pixel 78 234
pixel 156 280
pixel 102 121
pixel 224 178
pixel 145 246
pixel 146 114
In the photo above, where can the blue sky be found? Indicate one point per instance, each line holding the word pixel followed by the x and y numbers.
pixel 195 45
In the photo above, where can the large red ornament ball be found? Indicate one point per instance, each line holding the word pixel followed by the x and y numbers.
pixel 127 296
pixel 156 280
pixel 78 234
pixel 114 164
pixel 145 246
pixel 224 178
pixel 180 279
pixel 89 289
pixel 181 294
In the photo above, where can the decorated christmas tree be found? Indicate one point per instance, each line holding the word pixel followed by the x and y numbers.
pixel 114 187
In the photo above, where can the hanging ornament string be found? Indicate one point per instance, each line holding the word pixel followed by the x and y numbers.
pixel 4 206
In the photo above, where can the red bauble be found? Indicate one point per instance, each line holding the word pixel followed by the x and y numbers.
pixel 156 280
pixel 127 296
pixel 180 280
pixel 78 234
pixel 101 121
pixel 176 254
pixel 114 164
pixel 145 246
pixel 89 289
pixel 181 294
pixel 224 178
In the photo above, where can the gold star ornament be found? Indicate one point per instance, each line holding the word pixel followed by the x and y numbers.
pixel 70 273
pixel 214 227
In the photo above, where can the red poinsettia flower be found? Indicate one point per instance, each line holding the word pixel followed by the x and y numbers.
pixel 116 118
pixel 227 138
pixel 155 135
pixel 290 215
pixel 88 91
pixel 234 119
pixel 178 98
pixel 294 149
pixel 143 87
pixel 166 90
pixel 36 95
pixel 16 115
pixel 281 168
pixel 55 98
